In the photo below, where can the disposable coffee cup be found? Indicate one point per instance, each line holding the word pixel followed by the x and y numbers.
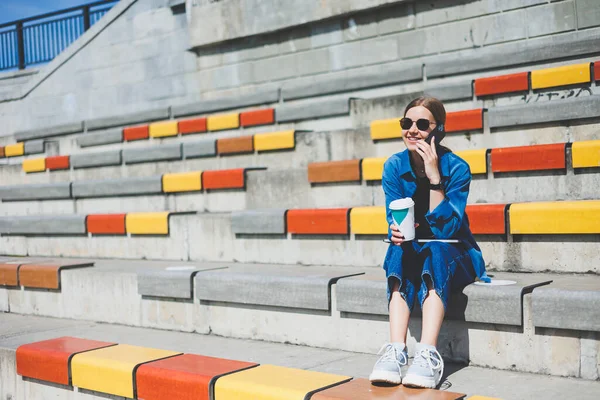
pixel 403 215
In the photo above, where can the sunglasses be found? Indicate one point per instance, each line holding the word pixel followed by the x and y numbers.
pixel 422 124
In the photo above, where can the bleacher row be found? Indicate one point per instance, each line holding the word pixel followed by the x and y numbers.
pixel 155 374
pixel 560 217
pixel 584 154
pixel 262 142
pixel 383 129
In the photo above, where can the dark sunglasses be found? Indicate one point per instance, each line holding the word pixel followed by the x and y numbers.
pixel 422 124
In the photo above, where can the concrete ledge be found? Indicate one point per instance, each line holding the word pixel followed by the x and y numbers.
pixel 569 302
pixel 117 187
pixel 127 119
pixel 316 109
pixel 201 148
pixel 100 159
pixel 43 224
pixel 548 111
pixel 50 191
pixel 378 75
pixel 100 138
pixel 173 282
pixel 366 294
pixel 272 285
pixel 227 103
pixel 162 152
pixel 266 221
pixel 33 147
pixel 527 51
pixel 64 129
pixel 458 91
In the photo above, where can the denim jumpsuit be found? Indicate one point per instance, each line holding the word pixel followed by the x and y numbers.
pixel 449 266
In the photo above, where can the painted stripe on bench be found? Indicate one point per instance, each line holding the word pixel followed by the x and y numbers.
pixel 2 154
pixel 274 141
pixel 555 217
pixel 151 223
pixel 372 168
pixel 14 150
pixel 332 221
pixel 362 389
pixel 273 382
pixel 560 76
pixel 182 182
pixel 529 158
pixel 467 120
pixel 487 219
pixel 106 224
pixel 57 162
pixel 193 125
pixel 368 221
pixel 258 117
pixel 236 145
pixel 334 171
pixel 187 376
pixel 386 129
pixel 136 133
pixel 477 160
pixel 49 360
pixel 586 154
pixel 224 179
pixel 111 370
pixel 597 71
pixel 34 165
pixel 9 273
pixel 46 275
pixel 163 129
pixel 225 121
pixel 518 82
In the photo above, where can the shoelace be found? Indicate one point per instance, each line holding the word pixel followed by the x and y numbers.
pixel 429 359
pixel 391 354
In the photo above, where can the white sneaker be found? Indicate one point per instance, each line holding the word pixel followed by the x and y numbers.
pixel 427 368
pixel 388 367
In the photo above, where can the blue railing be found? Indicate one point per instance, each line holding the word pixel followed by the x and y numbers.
pixel 39 39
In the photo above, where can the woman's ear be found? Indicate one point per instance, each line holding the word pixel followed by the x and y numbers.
pixel 440 127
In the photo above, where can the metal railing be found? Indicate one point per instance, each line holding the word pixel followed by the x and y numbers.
pixel 39 39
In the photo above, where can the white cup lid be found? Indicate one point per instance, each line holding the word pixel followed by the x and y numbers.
pixel 401 204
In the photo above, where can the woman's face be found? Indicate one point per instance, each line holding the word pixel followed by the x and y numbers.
pixel 414 134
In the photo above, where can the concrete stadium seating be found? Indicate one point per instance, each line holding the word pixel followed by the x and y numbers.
pixel 270 254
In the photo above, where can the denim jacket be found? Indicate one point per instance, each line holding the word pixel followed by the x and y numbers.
pixel 448 220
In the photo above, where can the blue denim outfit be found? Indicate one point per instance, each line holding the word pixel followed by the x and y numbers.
pixel 447 265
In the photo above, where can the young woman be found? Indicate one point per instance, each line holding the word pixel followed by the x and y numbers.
pixel 438 182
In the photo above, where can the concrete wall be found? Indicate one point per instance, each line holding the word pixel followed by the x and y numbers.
pixel 137 57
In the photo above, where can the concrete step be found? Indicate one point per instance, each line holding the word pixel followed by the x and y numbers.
pixel 495 327
pixel 209 237
pixel 16 330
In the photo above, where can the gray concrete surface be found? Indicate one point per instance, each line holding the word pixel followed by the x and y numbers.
pixel 138 117
pixel 174 282
pixel 34 146
pixel 312 110
pixel 226 103
pixel 162 152
pixel 53 130
pixel 120 187
pixel 552 304
pixel 48 191
pixel 272 285
pixel 100 138
pixel 259 221
pixel 97 159
pixel 16 330
pixel 43 225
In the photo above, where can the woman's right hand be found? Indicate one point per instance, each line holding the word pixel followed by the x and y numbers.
pixel 397 236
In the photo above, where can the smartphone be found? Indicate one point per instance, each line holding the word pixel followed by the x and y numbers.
pixel 431 135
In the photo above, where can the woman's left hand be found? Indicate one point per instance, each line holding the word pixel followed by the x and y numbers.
pixel 429 155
